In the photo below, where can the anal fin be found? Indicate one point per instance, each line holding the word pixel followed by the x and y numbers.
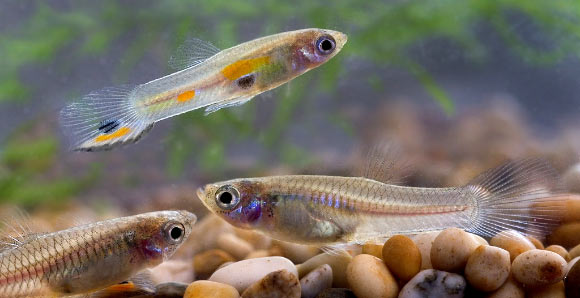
pixel 227 104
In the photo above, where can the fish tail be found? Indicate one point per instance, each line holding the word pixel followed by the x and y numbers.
pixel 519 195
pixel 104 119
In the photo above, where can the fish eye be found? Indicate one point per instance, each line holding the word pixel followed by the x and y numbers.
pixel 227 197
pixel 325 44
pixel 174 232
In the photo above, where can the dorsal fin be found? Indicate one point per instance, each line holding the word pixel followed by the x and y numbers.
pixel 15 228
pixel 384 162
pixel 192 52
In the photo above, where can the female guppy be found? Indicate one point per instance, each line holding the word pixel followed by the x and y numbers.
pixel 328 210
pixel 212 79
pixel 90 257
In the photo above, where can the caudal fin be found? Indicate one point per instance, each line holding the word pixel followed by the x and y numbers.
pixel 103 119
pixel 520 195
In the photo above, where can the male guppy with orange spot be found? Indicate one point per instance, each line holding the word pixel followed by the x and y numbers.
pixel 90 257
pixel 209 78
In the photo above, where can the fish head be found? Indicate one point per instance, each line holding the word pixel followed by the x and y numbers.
pixel 162 232
pixel 236 201
pixel 313 47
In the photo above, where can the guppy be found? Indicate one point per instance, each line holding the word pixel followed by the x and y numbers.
pixel 209 78
pixel 90 257
pixel 329 210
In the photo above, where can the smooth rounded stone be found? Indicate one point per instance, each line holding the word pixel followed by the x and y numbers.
pixel 550 291
pixel 232 244
pixel 572 281
pixel 402 257
pixel 336 293
pixel 571 264
pixel 316 281
pixel 451 249
pixel 171 289
pixel 260 253
pixel 173 271
pixel 369 277
pixel 575 251
pixel 209 261
pixel 537 243
pixel 512 241
pixel 256 239
pixel 206 232
pixel 277 284
pixel 480 240
pixel 373 249
pixel 297 253
pixel 210 289
pixel 559 250
pixel 338 263
pixel 434 283
pixel 538 268
pixel 568 204
pixel 510 289
pixel 244 273
pixel 487 268
pixel 567 235
pixel 424 242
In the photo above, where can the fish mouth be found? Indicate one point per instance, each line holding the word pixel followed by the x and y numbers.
pixel 200 193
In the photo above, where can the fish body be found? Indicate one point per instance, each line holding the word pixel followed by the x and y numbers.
pixel 327 210
pixel 90 257
pixel 231 77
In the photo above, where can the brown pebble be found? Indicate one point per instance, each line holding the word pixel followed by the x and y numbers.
pixel 537 243
pixel 373 249
pixel 281 283
pixel 451 249
pixel 369 277
pixel 567 235
pixel 235 246
pixel 538 268
pixel 575 251
pixel 510 289
pixel 210 289
pixel 512 241
pixel 559 250
pixel 260 253
pixel 550 291
pixel 336 293
pixel 402 257
pixel 488 268
pixel 207 262
pixel 338 263
pixel 170 289
pixel 572 281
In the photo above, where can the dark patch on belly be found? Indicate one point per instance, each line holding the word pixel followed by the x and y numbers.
pixel 246 82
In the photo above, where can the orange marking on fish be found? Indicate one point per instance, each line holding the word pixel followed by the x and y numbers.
pixel 119 133
pixel 125 287
pixel 244 67
pixel 185 96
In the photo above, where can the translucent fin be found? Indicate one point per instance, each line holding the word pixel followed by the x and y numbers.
pixel 15 228
pixel 193 52
pixel 226 104
pixel 140 285
pixel 384 163
pixel 341 249
pixel 103 119
pixel 520 196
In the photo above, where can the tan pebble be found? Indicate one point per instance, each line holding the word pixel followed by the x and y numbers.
pixel 373 249
pixel 210 289
pixel 260 253
pixel 424 242
pixel 224 265
pixel 550 291
pixel 538 267
pixel 559 250
pixel 206 232
pixel 402 257
pixel 256 239
pixel 537 243
pixel 338 263
pixel 575 251
pixel 277 284
pixel 451 249
pixel 488 268
pixel 297 253
pixel 510 289
pixel 567 235
pixel 512 241
pixel 235 246
pixel 244 273
pixel 369 277
pixel 572 209
pixel 316 281
pixel 173 271
pixel 479 239
pixel 205 263
pixel 434 283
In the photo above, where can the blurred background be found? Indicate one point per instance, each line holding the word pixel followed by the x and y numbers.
pixel 457 85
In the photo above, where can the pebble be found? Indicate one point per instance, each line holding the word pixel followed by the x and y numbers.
pixel 424 242
pixel 434 283
pixel 402 257
pixel 537 243
pixel 244 273
pixel 205 263
pixel 210 289
pixel 206 231
pixel 256 239
pixel 451 249
pixel 572 281
pixel 173 271
pixel 538 268
pixel 487 268
pixel 479 239
pixel 232 244
pixel 571 264
pixel 575 252
pixel 373 249
pixel 512 241
pixel 338 263
pixel 277 284
pixel 559 250
pixel 260 253
pixel 369 277
pixel 316 281
pixel 551 291
pixel 298 253
pixel 336 293
pixel 170 289
pixel 567 235
pixel 510 289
